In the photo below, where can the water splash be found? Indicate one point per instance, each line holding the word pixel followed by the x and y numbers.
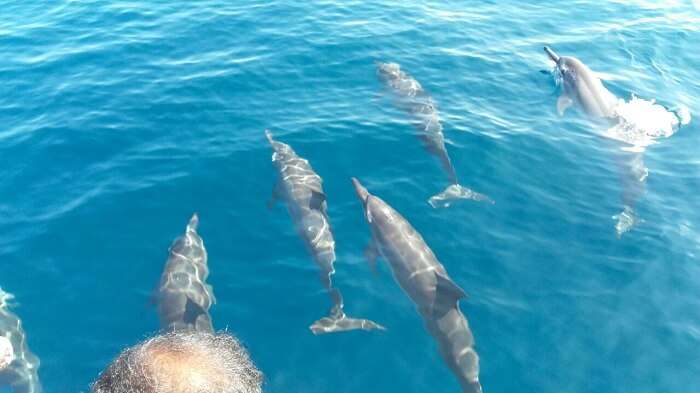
pixel 642 122
pixel 7 353
pixel 20 373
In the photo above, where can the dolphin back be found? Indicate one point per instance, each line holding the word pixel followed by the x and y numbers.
pixel 184 297
pixel 414 100
pixel 302 189
pixel 426 282
pixel 455 340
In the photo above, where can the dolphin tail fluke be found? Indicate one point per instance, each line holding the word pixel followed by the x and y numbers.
pixel 343 323
pixel 455 192
pixel 471 387
pixel 193 223
pixel 626 220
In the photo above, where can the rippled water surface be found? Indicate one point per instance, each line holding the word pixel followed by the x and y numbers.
pixel 120 119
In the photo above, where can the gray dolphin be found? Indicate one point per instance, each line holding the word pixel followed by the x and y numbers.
pixel 301 188
pixel 580 85
pixel 424 279
pixel 21 374
pixel 413 99
pixel 183 296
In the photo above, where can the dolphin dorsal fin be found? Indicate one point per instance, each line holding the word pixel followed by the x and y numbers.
pixel 448 293
pixel 317 200
pixel 192 312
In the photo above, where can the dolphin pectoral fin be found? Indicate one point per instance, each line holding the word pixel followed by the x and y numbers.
pixel 563 102
pixel 454 192
pixel 447 292
pixel 371 254
pixel 343 324
pixel 275 197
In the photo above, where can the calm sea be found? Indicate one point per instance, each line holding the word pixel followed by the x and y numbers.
pixel 118 120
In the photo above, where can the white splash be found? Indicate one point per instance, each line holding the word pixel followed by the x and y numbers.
pixel 642 122
pixel 7 353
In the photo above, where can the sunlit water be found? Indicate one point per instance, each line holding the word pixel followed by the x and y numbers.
pixel 119 120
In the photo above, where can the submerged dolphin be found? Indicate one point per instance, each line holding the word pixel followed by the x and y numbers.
pixel 183 296
pixel 21 372
pixel 302 190
pixel 414 100
pixel 580 85
pixel 424 279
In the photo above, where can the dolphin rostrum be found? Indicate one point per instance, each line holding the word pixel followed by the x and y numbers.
pixel 19 369
pixel 183 296
pixel 301 188
pixel 424 279
pixel 580 85
pixel 413 99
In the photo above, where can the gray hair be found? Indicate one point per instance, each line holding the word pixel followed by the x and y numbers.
pixel 179 362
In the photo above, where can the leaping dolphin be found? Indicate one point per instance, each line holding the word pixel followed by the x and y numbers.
pixel 413 99
pixel 19 369
pixel 301 188
pixel 580 85
pixel 183 296
pixel 424 279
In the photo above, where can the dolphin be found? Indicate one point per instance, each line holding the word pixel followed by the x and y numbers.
pixel 183 296
pixel 413 99
pixel 302 190
pixel 580 85
pixel 20 370
pixel 426 282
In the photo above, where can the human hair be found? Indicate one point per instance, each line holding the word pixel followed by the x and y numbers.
pixel 182 362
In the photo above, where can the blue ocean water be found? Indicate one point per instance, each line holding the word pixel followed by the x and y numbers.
pixel 119 120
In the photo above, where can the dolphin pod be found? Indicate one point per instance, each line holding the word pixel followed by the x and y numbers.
pixel 581 86
pixel 424 279
pixel 18 365
pixel 413 99
pixel 183 296
pixel 301 188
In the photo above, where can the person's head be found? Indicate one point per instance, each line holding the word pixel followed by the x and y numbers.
pixel 182 362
